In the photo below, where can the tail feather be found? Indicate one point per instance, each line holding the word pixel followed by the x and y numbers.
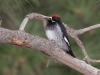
pixel 71 53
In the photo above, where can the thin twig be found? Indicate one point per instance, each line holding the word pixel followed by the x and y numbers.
pixel 81 31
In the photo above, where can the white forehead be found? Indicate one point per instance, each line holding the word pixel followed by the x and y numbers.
pixel 52 19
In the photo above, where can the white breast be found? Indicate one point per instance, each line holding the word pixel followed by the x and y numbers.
pixel 57 35
pixel 50 34
pixel 54 34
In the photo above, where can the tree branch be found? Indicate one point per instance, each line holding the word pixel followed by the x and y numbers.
pixel 73 33
pixel 47 47
pixel 81 31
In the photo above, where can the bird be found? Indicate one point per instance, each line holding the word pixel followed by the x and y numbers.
pixel 55 30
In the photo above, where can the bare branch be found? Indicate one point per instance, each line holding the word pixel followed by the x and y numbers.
pixel 23 24
pixel 32 16
pixel 47 47
pixel 81 31
pixel 73 33
pixel 81 45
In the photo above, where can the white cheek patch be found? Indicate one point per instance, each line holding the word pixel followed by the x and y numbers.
pixel 66 40
pixel 52 19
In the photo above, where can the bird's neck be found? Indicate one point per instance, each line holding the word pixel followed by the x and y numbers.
pixel 51 24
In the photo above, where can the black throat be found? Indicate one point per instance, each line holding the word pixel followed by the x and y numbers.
pixel 51 25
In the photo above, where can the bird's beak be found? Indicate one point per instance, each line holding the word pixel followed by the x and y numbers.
pixel 48 18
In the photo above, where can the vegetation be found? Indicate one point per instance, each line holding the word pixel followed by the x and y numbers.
pixel 77 14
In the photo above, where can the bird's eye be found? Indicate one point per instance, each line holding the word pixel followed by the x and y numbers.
pixel 54 19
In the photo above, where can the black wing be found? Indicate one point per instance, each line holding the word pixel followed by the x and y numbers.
pixel 69 51
pixel 63 29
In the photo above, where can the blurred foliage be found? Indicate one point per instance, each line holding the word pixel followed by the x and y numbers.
pixel 76 13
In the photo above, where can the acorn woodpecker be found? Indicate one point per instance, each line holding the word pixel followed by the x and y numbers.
pixel 56 31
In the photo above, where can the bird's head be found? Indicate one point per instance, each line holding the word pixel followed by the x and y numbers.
pixel 53 18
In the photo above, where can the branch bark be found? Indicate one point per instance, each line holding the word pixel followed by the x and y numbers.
pixel 47 47
pixel 73 33
pixel 81 31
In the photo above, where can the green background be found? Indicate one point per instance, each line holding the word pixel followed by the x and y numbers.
pixel 76 13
